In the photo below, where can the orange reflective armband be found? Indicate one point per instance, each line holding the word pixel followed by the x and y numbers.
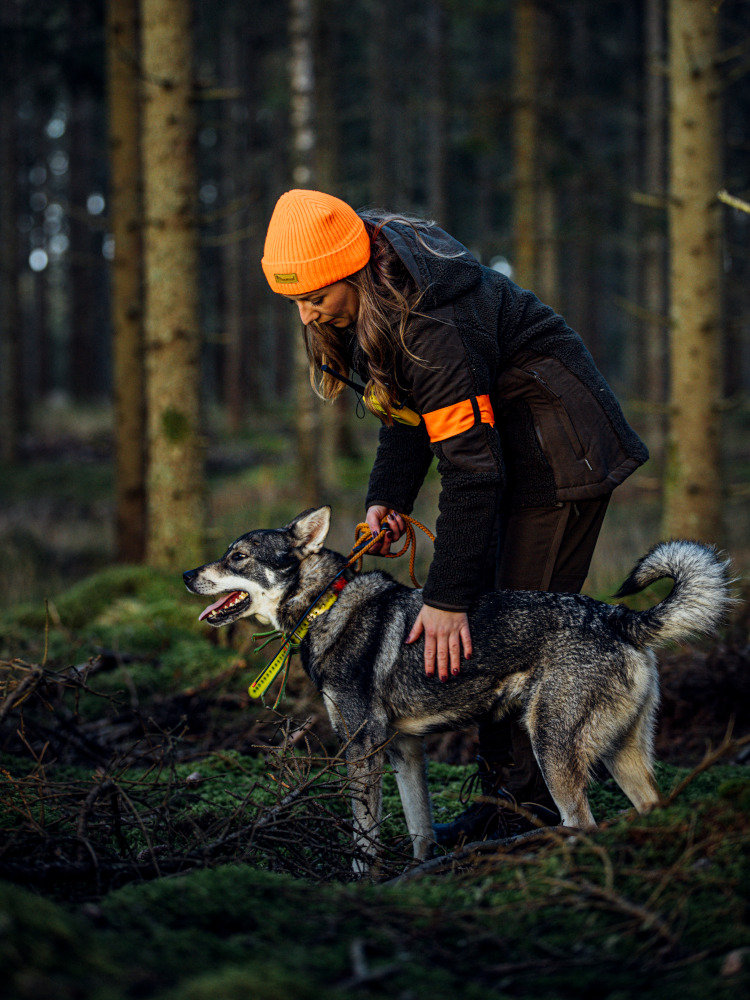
pixel 459 417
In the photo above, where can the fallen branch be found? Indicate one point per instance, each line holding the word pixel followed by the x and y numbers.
pixel 470 854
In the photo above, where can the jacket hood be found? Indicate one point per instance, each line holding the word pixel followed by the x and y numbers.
pixel 441 266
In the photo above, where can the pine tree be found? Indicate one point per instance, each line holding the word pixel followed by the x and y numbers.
pixel 126 217
pixel 693 484
pixel 176 487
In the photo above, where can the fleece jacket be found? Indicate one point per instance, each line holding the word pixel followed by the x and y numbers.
pixel 558 432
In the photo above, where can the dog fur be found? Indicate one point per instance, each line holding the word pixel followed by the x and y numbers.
pixel 582 673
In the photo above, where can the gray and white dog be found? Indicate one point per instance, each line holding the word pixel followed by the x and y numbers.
pixel 582 672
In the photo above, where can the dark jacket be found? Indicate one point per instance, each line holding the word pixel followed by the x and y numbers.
pixel 559 432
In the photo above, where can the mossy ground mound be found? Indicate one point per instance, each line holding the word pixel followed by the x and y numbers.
pixel 182 841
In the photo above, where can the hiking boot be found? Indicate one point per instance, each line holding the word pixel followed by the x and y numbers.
pixel 514 817
pixel 495 814
pixel 472 823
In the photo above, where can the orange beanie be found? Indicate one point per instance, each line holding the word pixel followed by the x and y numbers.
pixel 313 239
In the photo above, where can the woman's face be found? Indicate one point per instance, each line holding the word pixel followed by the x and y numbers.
pixel 336 304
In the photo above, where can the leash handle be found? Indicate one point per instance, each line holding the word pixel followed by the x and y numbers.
pixel 410 543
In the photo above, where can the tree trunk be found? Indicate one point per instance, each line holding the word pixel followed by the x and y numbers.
pixel 334 427
pixel 693 484
pixel 547 283
pixel 382 105
pixel 87 373
pixel 525 152
pixel 302 74
pixel 176 487
pixel 10 318
pixel 126 218
pixel 436 142
pixel 544 77
pixel 654 242
pixel 234 266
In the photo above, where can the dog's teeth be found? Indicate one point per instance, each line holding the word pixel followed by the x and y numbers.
pixel 223 604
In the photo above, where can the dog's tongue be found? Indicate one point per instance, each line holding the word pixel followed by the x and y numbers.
pixel 212 607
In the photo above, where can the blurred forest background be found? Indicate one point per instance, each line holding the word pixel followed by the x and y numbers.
pixel 154 403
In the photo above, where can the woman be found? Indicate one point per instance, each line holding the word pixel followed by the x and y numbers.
pixel 529 438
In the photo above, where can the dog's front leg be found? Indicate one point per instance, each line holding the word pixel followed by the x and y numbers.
pixel 365 761
pixel 406 757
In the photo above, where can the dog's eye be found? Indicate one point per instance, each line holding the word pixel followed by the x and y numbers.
pixel 237 556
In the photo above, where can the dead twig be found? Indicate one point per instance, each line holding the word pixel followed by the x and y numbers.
pixel 724 749
pixel 18 694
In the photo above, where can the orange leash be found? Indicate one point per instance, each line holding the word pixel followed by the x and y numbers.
pixel 410 544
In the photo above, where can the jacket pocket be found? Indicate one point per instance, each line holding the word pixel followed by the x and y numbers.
pixel 571 427
pixel 560 414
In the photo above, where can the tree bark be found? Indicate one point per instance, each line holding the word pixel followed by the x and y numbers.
pixel 544 79
pixel 693 484
pixel 176 487
pixel 525 152
pixel 382 105
pixel 238 385
pixel 436 140
pixel 84 282
pixel 654 242
pixel 126 218
pixel 11 398
pixel 302 75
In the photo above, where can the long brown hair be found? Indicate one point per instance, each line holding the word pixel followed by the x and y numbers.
pixel 388 299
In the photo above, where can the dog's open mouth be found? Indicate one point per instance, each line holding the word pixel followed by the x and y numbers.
pixel 227 603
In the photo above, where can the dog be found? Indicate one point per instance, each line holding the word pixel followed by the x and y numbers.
pixel 582 672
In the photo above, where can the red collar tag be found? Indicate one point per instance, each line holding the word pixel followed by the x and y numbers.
pixel 338 585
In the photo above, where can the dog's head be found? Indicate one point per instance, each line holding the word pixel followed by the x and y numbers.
pixel 258 569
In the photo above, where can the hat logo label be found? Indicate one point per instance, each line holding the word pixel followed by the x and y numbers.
pixel 285 279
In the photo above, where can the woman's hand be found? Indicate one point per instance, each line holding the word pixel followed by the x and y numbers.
pixel 396 528
pixel 445 633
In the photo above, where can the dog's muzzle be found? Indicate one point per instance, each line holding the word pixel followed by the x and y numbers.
pixel 229 607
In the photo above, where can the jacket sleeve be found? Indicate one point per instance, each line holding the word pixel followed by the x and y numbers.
pixel 450 387
pixel 401 464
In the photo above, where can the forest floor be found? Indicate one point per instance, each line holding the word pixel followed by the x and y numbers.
pixel 161 835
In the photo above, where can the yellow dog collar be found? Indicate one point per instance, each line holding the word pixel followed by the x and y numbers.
pixel 291 642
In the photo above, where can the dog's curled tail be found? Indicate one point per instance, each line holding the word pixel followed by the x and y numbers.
pixel 698 602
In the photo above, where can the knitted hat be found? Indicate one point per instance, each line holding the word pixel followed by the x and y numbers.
pixel 313 239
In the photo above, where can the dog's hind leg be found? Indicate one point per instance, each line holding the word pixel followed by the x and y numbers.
pixel 564 758
pixel 564 761
pixel 632 773
pixel 567 786
pixel 630 765
pixel 406 757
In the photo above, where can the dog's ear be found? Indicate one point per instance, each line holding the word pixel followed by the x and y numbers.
pixel 309 530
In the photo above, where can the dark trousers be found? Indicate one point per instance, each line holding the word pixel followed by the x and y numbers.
pixel 540 548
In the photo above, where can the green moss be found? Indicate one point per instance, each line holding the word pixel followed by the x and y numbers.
pixel 557 921
pixel 45 951
pixel 262 980
pixel 287 936
pixel 175 425
pixel 84 601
